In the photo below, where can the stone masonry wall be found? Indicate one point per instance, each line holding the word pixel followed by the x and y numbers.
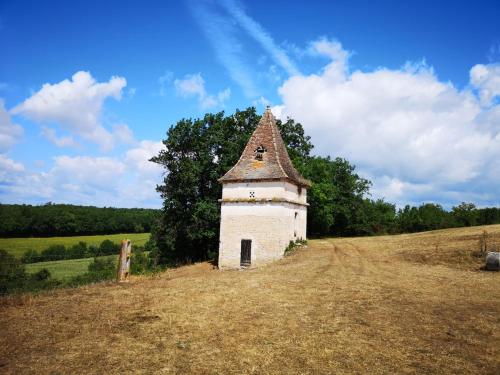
pixel 270 226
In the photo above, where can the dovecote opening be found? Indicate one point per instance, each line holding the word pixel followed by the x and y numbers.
pixel 259 152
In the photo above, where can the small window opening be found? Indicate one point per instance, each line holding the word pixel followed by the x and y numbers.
pixel 259 152
pixel 296 214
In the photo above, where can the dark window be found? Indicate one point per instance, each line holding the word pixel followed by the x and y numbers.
pixel 246 252
pixel 259 152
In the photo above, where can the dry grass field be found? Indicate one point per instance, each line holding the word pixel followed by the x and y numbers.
pixel 402 304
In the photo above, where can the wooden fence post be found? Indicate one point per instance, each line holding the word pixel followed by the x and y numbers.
pixel 124 261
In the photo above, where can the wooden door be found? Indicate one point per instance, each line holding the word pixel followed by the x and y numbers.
pixel 246 252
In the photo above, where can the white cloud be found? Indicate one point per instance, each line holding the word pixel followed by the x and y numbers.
pixel 122 133
pixel 87 171
pixel 51 136
pixel 486 78
pixel 256 31
pixel 76 105
pixel 193 85
pixel 10 133
pixel 138 158
pixel 126 181
pixel 221 31
pixel 9 165
pixel 413 135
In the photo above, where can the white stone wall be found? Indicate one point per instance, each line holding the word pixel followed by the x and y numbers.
pixel 268 189
pixel 270 225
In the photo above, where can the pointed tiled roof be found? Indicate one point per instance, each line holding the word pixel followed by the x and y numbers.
pixel 265 157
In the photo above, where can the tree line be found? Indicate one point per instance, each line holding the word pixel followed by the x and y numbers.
pixel 199 151
pixel 70 220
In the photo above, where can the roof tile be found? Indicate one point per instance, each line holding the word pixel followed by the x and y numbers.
pixel 265 157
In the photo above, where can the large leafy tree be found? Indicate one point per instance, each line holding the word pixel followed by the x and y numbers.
pixel 336 198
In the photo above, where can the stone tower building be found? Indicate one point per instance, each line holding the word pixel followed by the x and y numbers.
pixel 263 205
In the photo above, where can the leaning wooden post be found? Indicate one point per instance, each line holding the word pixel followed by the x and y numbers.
pixel 124 261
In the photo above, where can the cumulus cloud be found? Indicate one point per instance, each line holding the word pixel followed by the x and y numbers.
pixel 193 85
pixel 128 180
pixel 415 136
pixel 51 135
pixel 87 171
pixel 10 133
pixel 138 158
pixel 9 165
pixel 122 133
pixel 486 78
pixel 76 105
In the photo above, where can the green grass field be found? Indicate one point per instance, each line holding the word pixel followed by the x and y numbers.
pixel 63 269
pixel 17 246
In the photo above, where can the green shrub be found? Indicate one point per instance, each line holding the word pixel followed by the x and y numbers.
pixel 293 245
pixel 140 262
pixel 100 269
pixel 54 252
pixel 103 268
pixel 13 276
pixel 107 247
pixel 43 274
pixel 93 251
pixel 31 256
pixel 78 251
pixel 12 273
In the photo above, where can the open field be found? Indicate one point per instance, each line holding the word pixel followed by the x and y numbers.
pixel 377 305
pixel 63 269
pixel 17 246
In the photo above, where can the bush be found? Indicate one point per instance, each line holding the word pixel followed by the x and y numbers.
pixel 54 252
pixel 93 251
pixel 140 262
pixel 12 273
pixel 42 275
pixel 293 245
pixel 100 269
pixel 31 256
pixel 78 251
pixel 13 276
pixel 107 247
pixel 103 268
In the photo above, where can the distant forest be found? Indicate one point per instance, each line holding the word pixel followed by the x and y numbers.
pixel 69 220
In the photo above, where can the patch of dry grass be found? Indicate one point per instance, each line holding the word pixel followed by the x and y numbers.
pixel 350 305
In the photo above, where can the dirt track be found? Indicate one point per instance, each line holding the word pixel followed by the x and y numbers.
pixel 388 304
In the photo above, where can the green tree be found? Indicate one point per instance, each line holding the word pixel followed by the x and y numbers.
pixel 465 214
pixel 30 256
pixel 336 197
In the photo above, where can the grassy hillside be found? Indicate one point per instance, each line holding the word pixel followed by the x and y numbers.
pixel 414 303
pixel 17 246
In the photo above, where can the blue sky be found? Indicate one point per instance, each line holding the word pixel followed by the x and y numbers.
pixel 407 91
